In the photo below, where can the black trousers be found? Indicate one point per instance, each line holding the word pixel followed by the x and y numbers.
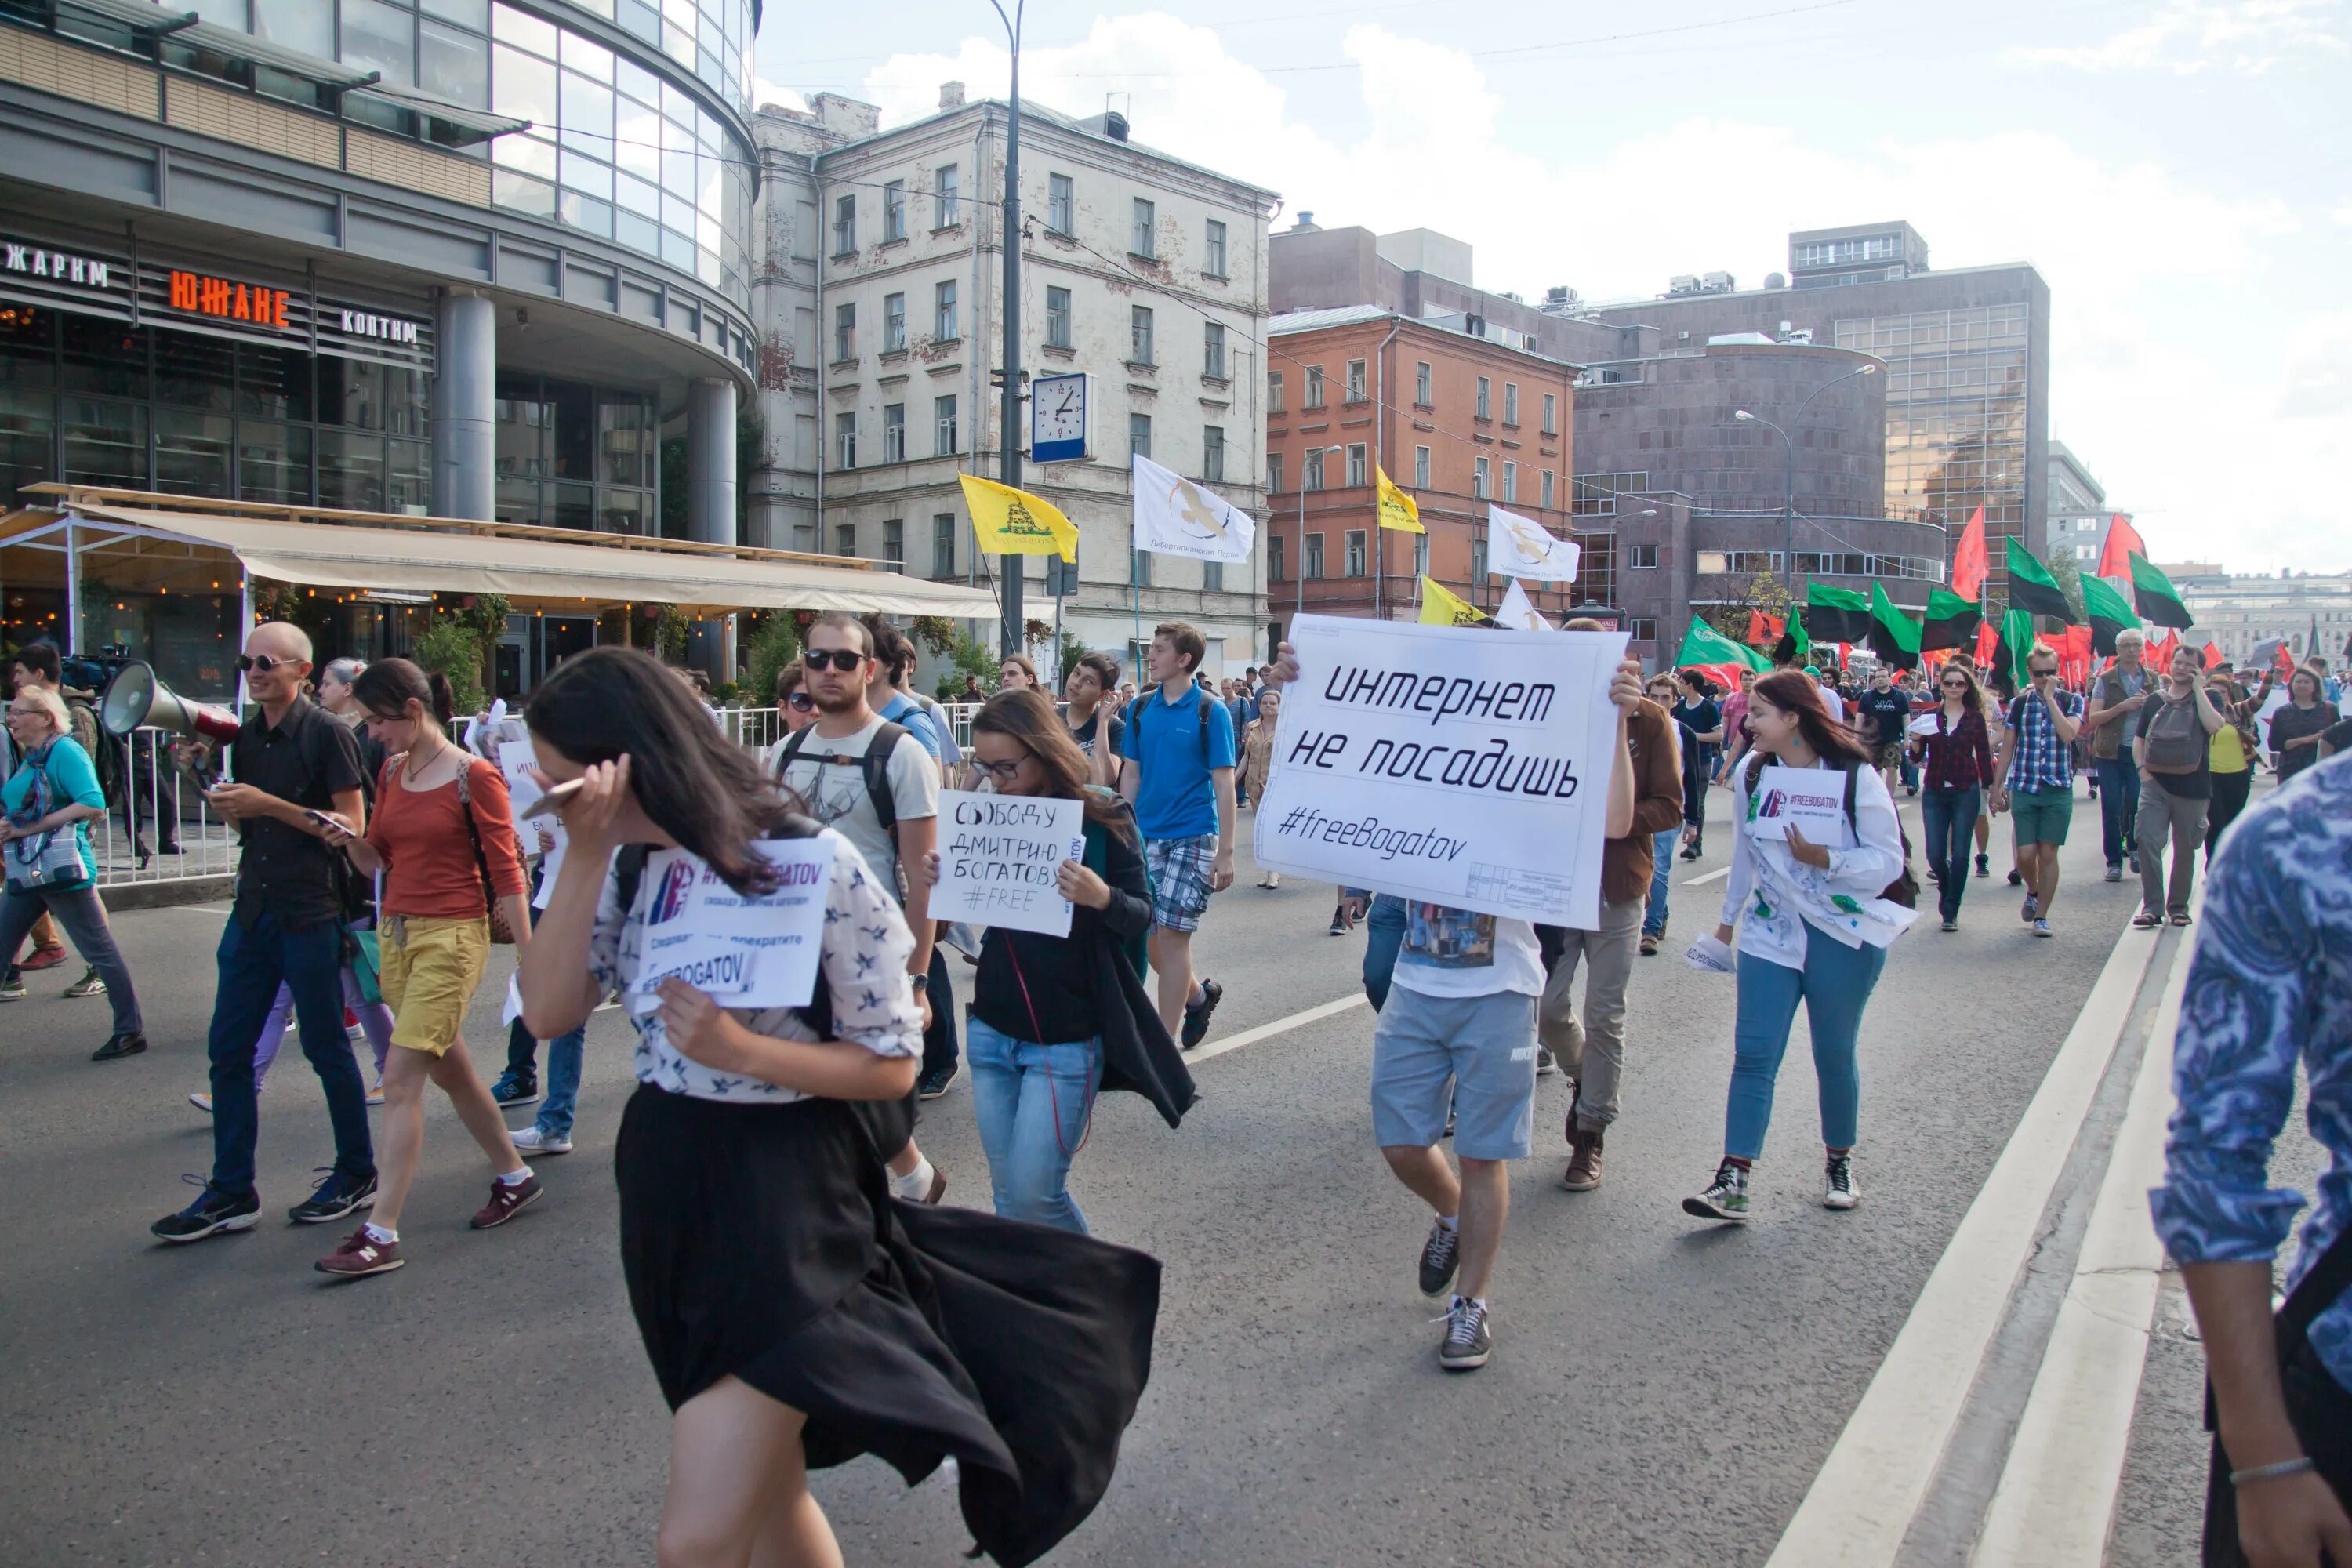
pixel 2230 791
pixel 940 1051
pixel 2322 1410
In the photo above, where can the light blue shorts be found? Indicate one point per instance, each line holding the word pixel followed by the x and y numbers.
pixel 1484 1048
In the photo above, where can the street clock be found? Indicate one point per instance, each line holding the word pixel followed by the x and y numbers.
pixel 1057 418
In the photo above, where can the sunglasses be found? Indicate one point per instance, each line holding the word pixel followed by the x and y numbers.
pixel 844 659
pixel 801 702
pixel 263 664
pixel 1003 772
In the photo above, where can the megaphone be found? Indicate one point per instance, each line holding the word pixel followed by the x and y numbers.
pixel 135 699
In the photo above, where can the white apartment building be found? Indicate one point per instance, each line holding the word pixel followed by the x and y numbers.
pixel 879 297
pixel 2236 610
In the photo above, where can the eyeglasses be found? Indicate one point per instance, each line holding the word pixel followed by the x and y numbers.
pixel 262 664
pixel 844 659
pixel 1003 772
pixel 1957 684
pixel 801 702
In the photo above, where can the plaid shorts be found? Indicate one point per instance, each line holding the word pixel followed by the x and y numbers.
pixel 1179 869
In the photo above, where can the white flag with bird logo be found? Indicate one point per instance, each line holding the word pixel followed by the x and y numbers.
pixel 1175 516
pixel 1521 547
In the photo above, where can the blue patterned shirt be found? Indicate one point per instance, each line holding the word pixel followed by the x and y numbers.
pixel 2270 982
pixel 2039 759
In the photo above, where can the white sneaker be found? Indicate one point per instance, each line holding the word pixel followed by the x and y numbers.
pixel 531 1140
pixel 201 1102
pixel 1838 1189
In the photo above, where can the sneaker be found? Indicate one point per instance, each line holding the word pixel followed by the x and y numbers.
pixel 1583 1172
pixel 937 1082
pixel 1951 925
pixel 43 958
pixel 130 1043
pixel 1441 1256
pixel 210 1215
pixel 1649 944
pixel 1838 1191
pixel 89 985
pixel 2025 911
pixel 1725 1198
pixel 1468 1341
pixel 2042 928
pixel 201 1102
pixel 536 1140
pixel 1546 1063
pixel 336 1196
pixel 508 1199
pixel 361 1254
pixel 2146 920
pixel 2114 874
pixel 375 1095
pixel 11 989
pixel 515 1089
pixel 1984 864
pixel 2016 878
pixel 1196 1019
pixel 1336 929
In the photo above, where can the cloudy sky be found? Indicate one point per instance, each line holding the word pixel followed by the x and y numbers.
pixel 2180 171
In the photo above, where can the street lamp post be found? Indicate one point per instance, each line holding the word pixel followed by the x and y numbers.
pixel 1788 493
pixel 1009 409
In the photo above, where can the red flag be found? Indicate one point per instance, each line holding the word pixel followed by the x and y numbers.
pixel 1774 626
pixel 1988 639
pixel 1968 564
pixel 1757 636
pixel 2123 541
pixel 2076 646
pixel 2160 654
pixel 2212 655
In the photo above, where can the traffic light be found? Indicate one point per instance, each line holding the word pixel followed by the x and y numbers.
pixel 1061 577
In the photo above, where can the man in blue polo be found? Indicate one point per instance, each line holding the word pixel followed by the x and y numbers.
pixel 1182 742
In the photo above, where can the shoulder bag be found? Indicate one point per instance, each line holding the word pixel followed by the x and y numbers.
pixel 502 932
pixel 50 859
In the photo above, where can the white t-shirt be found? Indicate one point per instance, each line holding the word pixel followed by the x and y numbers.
pixel 1454 952
pixel 1833 702
pixel 834 792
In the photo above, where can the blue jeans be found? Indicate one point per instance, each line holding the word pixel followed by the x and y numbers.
pixel 2118 807
pixel 1834 985
pixel 563 1069
pixel 1032 1102
pixel 1384 937
pixel 253 961
pixel 1662 877
pixel 1950 817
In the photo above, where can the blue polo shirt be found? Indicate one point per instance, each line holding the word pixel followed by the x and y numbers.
pixel 1174 797
pixel 910 716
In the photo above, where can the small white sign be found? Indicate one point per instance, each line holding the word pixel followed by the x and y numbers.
pixel 1813 799
pixel 741 951
pixel 1000 856
pixel 516 759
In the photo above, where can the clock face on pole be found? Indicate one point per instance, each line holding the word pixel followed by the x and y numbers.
pixel 1057 418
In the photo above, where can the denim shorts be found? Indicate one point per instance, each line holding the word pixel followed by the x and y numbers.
pixel 1180 870
pixel 1484 1047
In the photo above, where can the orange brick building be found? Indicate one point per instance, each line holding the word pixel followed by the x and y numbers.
pixel 1459 422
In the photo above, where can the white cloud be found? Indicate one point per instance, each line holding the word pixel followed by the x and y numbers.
pixel 2140 265
pixel 2187 36
pixel 764 92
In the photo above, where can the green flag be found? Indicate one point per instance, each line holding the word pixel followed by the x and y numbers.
pixel 1952 621
pixel 2016 642
pixel 1835 614
pixel 2031 587
pixel 2153 594
pixel 2108 614
pixel 1892 635
pixel 1703 645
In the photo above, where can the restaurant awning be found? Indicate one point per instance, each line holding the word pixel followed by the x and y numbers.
pixel 436 556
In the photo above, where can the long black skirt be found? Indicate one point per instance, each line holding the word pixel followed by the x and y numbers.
pixel 762 1241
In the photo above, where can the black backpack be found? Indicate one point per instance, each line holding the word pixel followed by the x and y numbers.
pixel 1904 889
pixel 875 766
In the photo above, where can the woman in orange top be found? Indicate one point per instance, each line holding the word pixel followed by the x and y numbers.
pixel 445 841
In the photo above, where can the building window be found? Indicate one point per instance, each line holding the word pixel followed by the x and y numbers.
pixel 1274 473
pixel 1596 570
pixel 1546 502
pixel 1212 453
pixel 1551 415
pixel 1643 628
pixel 1510 480
pixel 1273 393
pixel 1142 240
pixel 1213 576
pixel 1213 351
pixel 1138 567
pixel 943 543
pixel 1355 380
pixel 893 432
pixel 1314 555
pixel 1420 555
pixel 1057 318
pixel 894 543
pixel 1595 495
pixel 1314 386
pixel 1359 465
pixel 1510 403
pixel 1139 435
pixel 1420 387
pixel 1214 266
pixel 844 539
pixel 1061 204
pixel 1138 335
pixel 1640 557
pixel 844 227
pixel 1477 567
pixel 1479 480
pixel 944 326
pixel 894 322
pixel 1421 468
pixel 1276 566
pixel 844 438
pixel 947 197
pixel 844 333
pixel 894 211
pixel 1314 470
pixel 1485 399
pixel 946 438
pixel 1358 559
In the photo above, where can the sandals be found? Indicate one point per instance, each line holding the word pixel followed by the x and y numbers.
pixel 2146 920
pixel 2181 919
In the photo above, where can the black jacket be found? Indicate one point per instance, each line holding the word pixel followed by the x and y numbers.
pixel 1138 1055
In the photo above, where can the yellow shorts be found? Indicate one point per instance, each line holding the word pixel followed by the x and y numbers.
pixel 430 969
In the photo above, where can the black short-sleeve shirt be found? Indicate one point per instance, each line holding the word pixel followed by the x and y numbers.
pixel 309 758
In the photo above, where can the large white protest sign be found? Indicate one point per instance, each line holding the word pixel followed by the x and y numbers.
pixel 999 856
pixel 1522 547
pixel 741 951
pixel 1173 516
pixel 1459 767
pixel 1812 800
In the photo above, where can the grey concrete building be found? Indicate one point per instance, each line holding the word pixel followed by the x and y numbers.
pixel 2313 611
pixel 2080 516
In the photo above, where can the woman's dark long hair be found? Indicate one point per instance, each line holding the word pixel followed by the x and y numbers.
pixel 697 786
pixel 1026 716
pixel 1793 693
pixel 387 687
pixel 1972 699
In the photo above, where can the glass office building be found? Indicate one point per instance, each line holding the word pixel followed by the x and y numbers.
pixel 1956 412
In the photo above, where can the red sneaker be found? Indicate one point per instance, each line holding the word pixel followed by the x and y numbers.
pixel 507 1200
pixel 43 958
pixel 361 1254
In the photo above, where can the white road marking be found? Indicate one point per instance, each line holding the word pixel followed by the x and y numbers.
pixel 195 908
pixel 1717 875
pixel 1870 1487
pixel 1280 1025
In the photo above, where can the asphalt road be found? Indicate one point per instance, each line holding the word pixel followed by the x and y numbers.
pixel 1663 1392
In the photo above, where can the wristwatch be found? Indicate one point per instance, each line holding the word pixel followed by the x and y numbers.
pixel 920 982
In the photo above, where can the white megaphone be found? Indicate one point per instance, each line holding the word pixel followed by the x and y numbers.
pixel 136 698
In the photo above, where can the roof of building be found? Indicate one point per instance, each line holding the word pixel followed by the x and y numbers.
pixel 1313 320
pixel 1599 306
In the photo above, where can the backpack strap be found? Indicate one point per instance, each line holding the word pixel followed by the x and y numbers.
pixel 874 767
pixel 628 870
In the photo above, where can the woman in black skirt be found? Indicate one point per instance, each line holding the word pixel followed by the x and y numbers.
pixel 796 1315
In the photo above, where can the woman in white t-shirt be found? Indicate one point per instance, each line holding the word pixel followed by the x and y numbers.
pixel 796 1315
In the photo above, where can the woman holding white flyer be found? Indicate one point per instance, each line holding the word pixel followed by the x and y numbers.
pixel 796 1314
pixel 1819 909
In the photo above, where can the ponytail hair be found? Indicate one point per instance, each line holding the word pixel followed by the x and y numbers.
pixel 387 687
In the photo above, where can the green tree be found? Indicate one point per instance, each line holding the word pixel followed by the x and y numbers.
pixel 1765 592
pixel 454 649
pixel 2069 578
pixel 774 643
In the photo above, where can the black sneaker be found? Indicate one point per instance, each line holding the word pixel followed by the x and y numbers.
pixel 2016 878
pixel 1468 1341
pixel 210 1215
pixel 335 1196
pixel 1196 1019
pixel 1441 1256
pixel 1984 864
pixel 515 1089
pixel 936 1083
pixel 117 1046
